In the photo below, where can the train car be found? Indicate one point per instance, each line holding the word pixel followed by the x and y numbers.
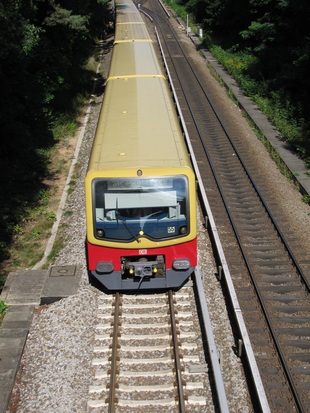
pixel 140 187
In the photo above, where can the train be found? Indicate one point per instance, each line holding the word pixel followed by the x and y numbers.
pixel 140 188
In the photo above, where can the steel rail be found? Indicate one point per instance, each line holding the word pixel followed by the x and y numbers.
pixel 114 356
pixel 177 361
pixel 219 384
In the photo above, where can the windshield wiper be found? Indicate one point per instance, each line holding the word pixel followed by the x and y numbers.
pixel 154 213
pixel 127 227
pixel 117 214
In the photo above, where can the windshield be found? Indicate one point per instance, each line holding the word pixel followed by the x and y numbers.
pixel 130 208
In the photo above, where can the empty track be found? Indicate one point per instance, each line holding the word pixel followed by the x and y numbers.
pixel 148 356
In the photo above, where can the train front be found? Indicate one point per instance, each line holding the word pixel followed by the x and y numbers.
pixel 141 229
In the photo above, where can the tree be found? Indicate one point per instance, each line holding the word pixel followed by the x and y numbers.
pixel 44 45
pixel 222 19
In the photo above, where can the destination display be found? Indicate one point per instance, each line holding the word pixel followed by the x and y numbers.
pixel 136 183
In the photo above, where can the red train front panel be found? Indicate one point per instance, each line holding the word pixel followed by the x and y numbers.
pixel 131 269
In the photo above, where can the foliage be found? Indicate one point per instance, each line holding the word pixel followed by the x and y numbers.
pixel 3 308
pixel 44 46
pixel 265 44
pixel 306 200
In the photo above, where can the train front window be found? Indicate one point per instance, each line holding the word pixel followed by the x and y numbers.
pixel 130 208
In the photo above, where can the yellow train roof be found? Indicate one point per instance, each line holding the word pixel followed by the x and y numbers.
pixel 134 59
pixel 131 32
pixel 127 12
pixel 138 125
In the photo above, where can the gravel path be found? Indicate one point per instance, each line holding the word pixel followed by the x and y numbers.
pixel 56 368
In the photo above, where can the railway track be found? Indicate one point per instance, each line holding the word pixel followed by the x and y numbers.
pixel 149 346
pixel 269 268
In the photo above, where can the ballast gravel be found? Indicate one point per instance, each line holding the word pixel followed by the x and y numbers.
pixel 56 365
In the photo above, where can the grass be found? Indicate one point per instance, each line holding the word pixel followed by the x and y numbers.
pixel 306 200
pixel 279 111
pixel 33 229
pixel 3 308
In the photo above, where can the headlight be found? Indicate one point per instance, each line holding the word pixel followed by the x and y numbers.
pixel 181 264
pixel 183 230
pixel 104 267
pixel 100 233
